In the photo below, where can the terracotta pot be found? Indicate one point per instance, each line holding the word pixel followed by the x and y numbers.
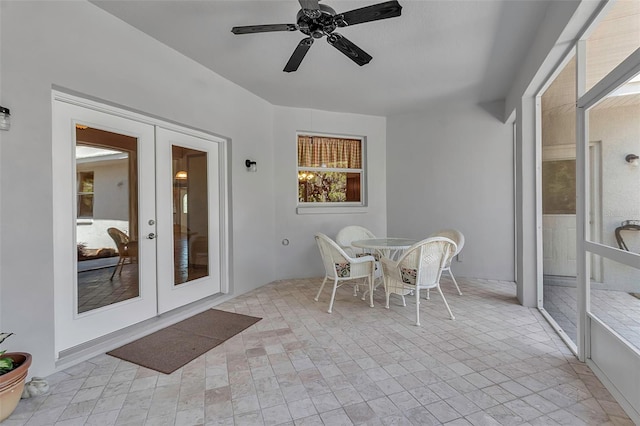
pixel 12 383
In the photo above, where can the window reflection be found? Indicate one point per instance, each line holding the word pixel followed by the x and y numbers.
pixel 106 231
pixel 190 214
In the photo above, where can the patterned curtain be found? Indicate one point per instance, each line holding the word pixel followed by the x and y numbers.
pixel 315 151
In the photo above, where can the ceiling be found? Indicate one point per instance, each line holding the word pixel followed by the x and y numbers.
pixel 437 50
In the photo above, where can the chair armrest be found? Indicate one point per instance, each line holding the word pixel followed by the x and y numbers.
pixel 389 267
pixel 362 259
pixel 392 277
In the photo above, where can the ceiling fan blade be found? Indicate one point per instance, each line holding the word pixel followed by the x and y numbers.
pixel 389 9
pixel 311 8
pixel 354 53
pixel 251 29
pixel 298 54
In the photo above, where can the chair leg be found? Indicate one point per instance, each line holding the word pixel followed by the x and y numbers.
pixel 333 294
pixel 455 282
pixel 120 264
pixel 445 303
pixel 321 287
pixel 417 306
pixel 428 297
pixel 386 291
pixel 371 284
pixel 404 302
pixel 355 289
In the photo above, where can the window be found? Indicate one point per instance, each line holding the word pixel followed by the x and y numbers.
pixel 330 171
pixel 85 194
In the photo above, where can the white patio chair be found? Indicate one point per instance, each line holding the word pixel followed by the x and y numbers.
pixel 419 268
pixel 457 237
pixel 351 233
pixel 341 267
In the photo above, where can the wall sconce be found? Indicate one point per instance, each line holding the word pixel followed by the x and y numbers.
pixel 5 118
pixel 632 159
pixel 181 175
pixel 252 166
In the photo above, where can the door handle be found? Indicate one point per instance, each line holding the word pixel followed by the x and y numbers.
pixel 151 236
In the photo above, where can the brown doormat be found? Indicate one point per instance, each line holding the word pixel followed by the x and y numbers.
pixel 168 349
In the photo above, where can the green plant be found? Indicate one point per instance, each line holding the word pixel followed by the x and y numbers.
pixel 6 363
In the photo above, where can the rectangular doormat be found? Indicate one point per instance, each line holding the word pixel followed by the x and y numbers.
pixel 168 349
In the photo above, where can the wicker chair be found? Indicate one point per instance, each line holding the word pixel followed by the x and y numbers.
pixel 351 233
pixel 126 249
pixel 341 267
pixel 419 268
pixel 457 237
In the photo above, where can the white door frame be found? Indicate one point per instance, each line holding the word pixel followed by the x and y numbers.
pixel 64 265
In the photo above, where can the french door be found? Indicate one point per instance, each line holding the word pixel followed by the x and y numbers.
pixel 187 220
pixel 137 219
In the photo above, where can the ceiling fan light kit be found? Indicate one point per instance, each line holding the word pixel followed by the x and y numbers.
pixel 319 20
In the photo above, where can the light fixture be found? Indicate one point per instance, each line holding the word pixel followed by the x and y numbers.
pixel 252 166
pixel 632 159
pixel 305 176
pixel 5 118
pixel 181 175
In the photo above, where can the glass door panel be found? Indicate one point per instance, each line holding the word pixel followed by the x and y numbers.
pixel 188 218
pixel 559 200
pixel 190 214
pixel 615 200
pixel 106 223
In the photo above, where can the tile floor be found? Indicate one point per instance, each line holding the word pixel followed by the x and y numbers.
pixel 498 363
pixel 618 309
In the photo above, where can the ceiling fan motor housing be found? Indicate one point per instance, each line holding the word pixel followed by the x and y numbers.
pixel 317 27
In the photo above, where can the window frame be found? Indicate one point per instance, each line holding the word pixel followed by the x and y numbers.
pixel 334 207
pixel 80 194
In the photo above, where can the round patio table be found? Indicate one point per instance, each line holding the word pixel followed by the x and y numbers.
pixel 387 247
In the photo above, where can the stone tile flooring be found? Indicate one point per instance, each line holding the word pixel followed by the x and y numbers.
pixel 497 363
pixel 617 309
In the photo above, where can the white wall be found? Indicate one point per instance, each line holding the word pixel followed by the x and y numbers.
pixel 451 166
pixel 77 46
pixel 301 257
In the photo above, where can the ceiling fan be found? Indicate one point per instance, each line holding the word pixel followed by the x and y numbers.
pixel 319 20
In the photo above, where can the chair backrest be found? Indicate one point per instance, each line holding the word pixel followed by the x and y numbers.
pixel 454 235
pixel 332 254
pixel 423 262
pixel 352 233
pixel 120 238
